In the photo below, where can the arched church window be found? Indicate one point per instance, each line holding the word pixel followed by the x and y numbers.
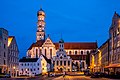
pixel 81 52
pixel 75 52
pixel 87 52
pixel 69 52
pixel 50 53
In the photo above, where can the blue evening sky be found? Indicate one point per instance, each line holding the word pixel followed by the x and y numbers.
pixel 76 20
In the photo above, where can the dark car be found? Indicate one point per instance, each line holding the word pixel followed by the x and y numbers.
pixel 97 75
pixel 87 73
pixel 3 75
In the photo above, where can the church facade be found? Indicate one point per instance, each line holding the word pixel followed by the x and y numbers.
pixel 78 51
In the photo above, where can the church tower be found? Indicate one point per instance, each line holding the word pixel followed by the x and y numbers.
pixel 40 34
pixel 61 45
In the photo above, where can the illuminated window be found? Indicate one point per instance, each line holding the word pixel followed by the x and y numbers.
pixel 118 43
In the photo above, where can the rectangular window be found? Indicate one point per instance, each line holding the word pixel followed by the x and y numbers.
pixel 0 44
pixel 57 63
pixel 61 63
pixel 4 46
pixel 53 62
pixel 64 63
pixel 4 54
pixel 50 53
pixel 68 63
pixel 4 62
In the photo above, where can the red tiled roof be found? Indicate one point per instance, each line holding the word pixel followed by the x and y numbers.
pixel 78 45
pixel 77 57
pixel 37 44
pixel 69 45
pixel 24 59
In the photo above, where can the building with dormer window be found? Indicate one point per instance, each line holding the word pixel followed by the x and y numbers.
pixel 61 61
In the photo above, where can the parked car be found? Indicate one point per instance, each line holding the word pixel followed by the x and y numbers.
pixel 114 76
pixel 97 75
pixel 87 73
pixel 3 75
pixel 52 74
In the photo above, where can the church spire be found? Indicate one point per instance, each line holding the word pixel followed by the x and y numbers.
pixel 40 34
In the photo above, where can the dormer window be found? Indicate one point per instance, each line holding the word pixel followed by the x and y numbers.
pixel 60 49
pixel 69 52
pixel 81 52
pixel 75 52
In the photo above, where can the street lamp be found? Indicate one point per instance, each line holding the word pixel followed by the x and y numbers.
pixel 94 67
pixel 14 71
pixel 14 67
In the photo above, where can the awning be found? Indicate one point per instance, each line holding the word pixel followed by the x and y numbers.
pixel 113 66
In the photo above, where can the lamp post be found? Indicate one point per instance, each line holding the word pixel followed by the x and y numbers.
pixel 14 71
pixel 94 67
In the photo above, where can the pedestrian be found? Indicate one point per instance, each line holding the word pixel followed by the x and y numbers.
pixel 63 74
